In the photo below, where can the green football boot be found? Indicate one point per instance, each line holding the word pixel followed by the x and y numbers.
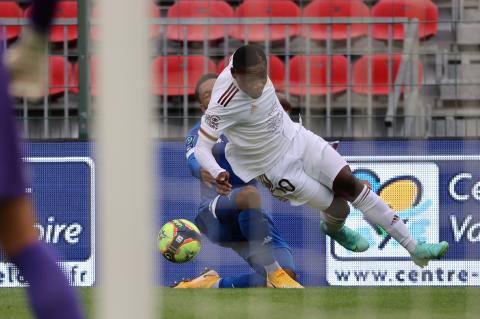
pixel 347 237
pixel 425 252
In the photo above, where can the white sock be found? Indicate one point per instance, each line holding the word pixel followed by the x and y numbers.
pixel 333 223
pixel 273 267
pixel 377 212
pixel 336 215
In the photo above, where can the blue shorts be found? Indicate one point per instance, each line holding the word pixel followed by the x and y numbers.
pixel 218 220
pixel 11 173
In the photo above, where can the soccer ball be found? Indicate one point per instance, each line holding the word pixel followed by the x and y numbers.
pixel 179 240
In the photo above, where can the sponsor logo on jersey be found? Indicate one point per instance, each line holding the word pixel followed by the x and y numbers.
pixel 212 121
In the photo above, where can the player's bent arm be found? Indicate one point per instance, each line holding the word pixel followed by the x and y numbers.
pixel 203 153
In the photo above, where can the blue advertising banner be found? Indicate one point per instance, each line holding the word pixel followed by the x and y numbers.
pixel 62 185
pixel 433 185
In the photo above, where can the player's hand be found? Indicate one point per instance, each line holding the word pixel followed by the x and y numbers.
pixel 26 63
pixel 223 185
pixel 207 178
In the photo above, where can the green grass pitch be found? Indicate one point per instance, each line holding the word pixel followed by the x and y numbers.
pixel 329 303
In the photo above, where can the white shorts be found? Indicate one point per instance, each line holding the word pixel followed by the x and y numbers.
pixel 305 172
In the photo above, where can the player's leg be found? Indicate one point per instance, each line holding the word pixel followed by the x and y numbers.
pixel 281 252
pixel 334 212
pixel 334 217
pixel 49 292
pixel 255 228
pixel 236 221
pixel 251 280
pixel 225 233
pixel 333 224
pixel 377 212
pixel 328 167
pixel 259 279
pixel 336 174
pixel 288 180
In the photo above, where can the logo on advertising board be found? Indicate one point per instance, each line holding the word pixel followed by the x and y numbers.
pixel 63 193
pixel 438 198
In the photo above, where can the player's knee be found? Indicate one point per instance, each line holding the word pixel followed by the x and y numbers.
pixel 248 198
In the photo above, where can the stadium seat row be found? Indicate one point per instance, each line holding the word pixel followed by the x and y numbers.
pixel 424 10
pixel 176 75
pixel 65 10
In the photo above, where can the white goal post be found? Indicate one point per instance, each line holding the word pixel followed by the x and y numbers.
pixel 124 154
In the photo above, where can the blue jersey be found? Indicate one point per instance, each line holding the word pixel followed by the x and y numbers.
pixel 218 151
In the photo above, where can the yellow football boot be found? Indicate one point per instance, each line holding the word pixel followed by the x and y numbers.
pixel 205 280
pixel 280 279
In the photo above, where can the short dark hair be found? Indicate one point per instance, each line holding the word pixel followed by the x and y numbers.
pixel 200 81
pixel 247 56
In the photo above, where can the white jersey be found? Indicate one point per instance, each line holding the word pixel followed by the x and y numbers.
pixel 259 131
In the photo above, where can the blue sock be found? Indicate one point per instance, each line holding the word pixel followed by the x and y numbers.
pixel 256 229
pixel 50 295
pixel 245 281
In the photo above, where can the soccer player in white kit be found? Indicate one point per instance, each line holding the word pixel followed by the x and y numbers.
pixel 292 162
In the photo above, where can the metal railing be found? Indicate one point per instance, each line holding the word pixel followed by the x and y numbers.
pixel 364 116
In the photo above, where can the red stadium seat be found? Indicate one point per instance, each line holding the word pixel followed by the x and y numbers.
pixel 424 10
pixel 198 9
pixel 154 29
pixel 58 82
pixel 265 9
pixel 74 79
pixel 380 84
pixel 335 9
pixel 318 74
pixel 276 71
pixel 65 10
pixel 10 10
pixel 176 66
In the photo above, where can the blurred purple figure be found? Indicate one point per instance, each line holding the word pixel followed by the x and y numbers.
pixel 50 295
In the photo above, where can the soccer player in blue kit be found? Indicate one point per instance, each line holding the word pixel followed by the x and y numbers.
pixel 236 220
pixel 50 295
